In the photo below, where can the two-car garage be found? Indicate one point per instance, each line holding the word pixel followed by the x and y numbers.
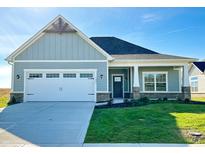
pixel 60 85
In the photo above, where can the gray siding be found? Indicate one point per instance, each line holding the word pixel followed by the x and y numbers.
pixel 100 66
pixel 173 76
pixel 66 46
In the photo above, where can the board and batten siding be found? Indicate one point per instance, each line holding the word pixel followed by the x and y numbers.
pixel 66 46
pixel 100 66
pixel 173 77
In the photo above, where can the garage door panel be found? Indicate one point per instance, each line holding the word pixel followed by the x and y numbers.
pixel 69 87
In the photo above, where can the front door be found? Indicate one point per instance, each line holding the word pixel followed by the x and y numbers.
pixel 117 86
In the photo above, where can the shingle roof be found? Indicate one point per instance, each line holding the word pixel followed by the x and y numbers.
pixel 147 56
pixel 114 45
pixel 200 66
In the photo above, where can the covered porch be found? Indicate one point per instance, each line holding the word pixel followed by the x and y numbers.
pixel 154 81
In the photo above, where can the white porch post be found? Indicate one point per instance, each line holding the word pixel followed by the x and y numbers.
pixel 136 76
pixel 186 76
pixel 136 84
pixel 186 85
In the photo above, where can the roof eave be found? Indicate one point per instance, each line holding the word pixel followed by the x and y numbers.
pixel 136 60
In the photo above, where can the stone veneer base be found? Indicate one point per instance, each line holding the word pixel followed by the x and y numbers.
pixel 17 96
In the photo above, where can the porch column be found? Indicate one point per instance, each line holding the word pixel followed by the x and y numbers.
pixel 186 85
pixel 136 84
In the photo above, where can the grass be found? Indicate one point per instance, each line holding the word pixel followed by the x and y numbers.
pixel 154 123
pixel 199 99
pixel 4 97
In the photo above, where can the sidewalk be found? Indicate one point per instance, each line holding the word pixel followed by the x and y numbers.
pixel 141 145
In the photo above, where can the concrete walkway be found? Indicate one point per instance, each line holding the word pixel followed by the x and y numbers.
pixel 45 123
pixel 140 145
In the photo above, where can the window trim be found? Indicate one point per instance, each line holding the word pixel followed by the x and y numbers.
pixel 155 83
pixel 52 73
pixel 41 76
pixel 194 80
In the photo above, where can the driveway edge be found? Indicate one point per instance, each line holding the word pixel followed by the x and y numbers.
pixel 140 145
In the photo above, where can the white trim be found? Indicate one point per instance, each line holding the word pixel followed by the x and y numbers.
pixel 180 79
pixel 60 71
pixel 76 61
pixel 103 91
pixel 136 76
pixel 107 77
pixel 186 76
pixel 16 92
pixel 156 60
pixel 12 77
pixel 40 33
pixel 122 83
pixel 153 72
pixel 197 68
pixel 140 64
pixel 131 78
pixel 160 92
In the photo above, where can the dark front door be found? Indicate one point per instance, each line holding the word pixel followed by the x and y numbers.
pixel 117 86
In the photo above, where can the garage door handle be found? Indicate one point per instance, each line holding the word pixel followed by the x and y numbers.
pixel 91 78
pixel 91 94
pixel 29 94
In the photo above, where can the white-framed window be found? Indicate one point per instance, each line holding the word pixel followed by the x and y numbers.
pixel 52 75
pixel 69 75
pixel 155 81
pixel 86 75
pixel 194 84
pixel 35 75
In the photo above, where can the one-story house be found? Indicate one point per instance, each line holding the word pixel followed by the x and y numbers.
pixel 197 79
pixel 61 63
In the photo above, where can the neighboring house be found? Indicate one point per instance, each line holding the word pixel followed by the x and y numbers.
pixel 60 63
pixel 197 79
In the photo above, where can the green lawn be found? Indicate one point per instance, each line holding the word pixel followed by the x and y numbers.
pixel 154 123
pixel 198 99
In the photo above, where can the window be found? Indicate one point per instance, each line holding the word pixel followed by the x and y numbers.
pixel 35 75
pixel 194 84
pixel 86 75
pixel 52 75
pixel 155 82
pixel 69 75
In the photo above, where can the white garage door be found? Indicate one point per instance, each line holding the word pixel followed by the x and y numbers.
pixel 60 86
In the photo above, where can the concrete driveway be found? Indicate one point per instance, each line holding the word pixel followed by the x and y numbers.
pixel 45 123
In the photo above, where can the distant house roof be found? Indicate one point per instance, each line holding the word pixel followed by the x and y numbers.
pixel 200 66
pixel 148 56
pixel 114 45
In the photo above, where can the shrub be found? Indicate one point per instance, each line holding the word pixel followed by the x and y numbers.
pixel 144 100
pixel 12 100
pixel 186 100
pixel 165 99
pixel 179 99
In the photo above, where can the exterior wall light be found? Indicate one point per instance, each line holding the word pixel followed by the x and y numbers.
pixel 101 76
pixel 18 76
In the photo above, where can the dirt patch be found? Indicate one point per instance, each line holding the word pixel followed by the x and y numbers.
pixel 4 92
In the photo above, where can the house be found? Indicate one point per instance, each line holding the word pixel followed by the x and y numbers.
pixel 60 63
pixel 197 79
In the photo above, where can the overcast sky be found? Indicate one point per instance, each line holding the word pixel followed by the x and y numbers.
pixel 177 31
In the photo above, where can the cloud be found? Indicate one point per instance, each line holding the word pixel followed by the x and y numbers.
pixel 5 76
pixel 180 30
pixel 150 17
